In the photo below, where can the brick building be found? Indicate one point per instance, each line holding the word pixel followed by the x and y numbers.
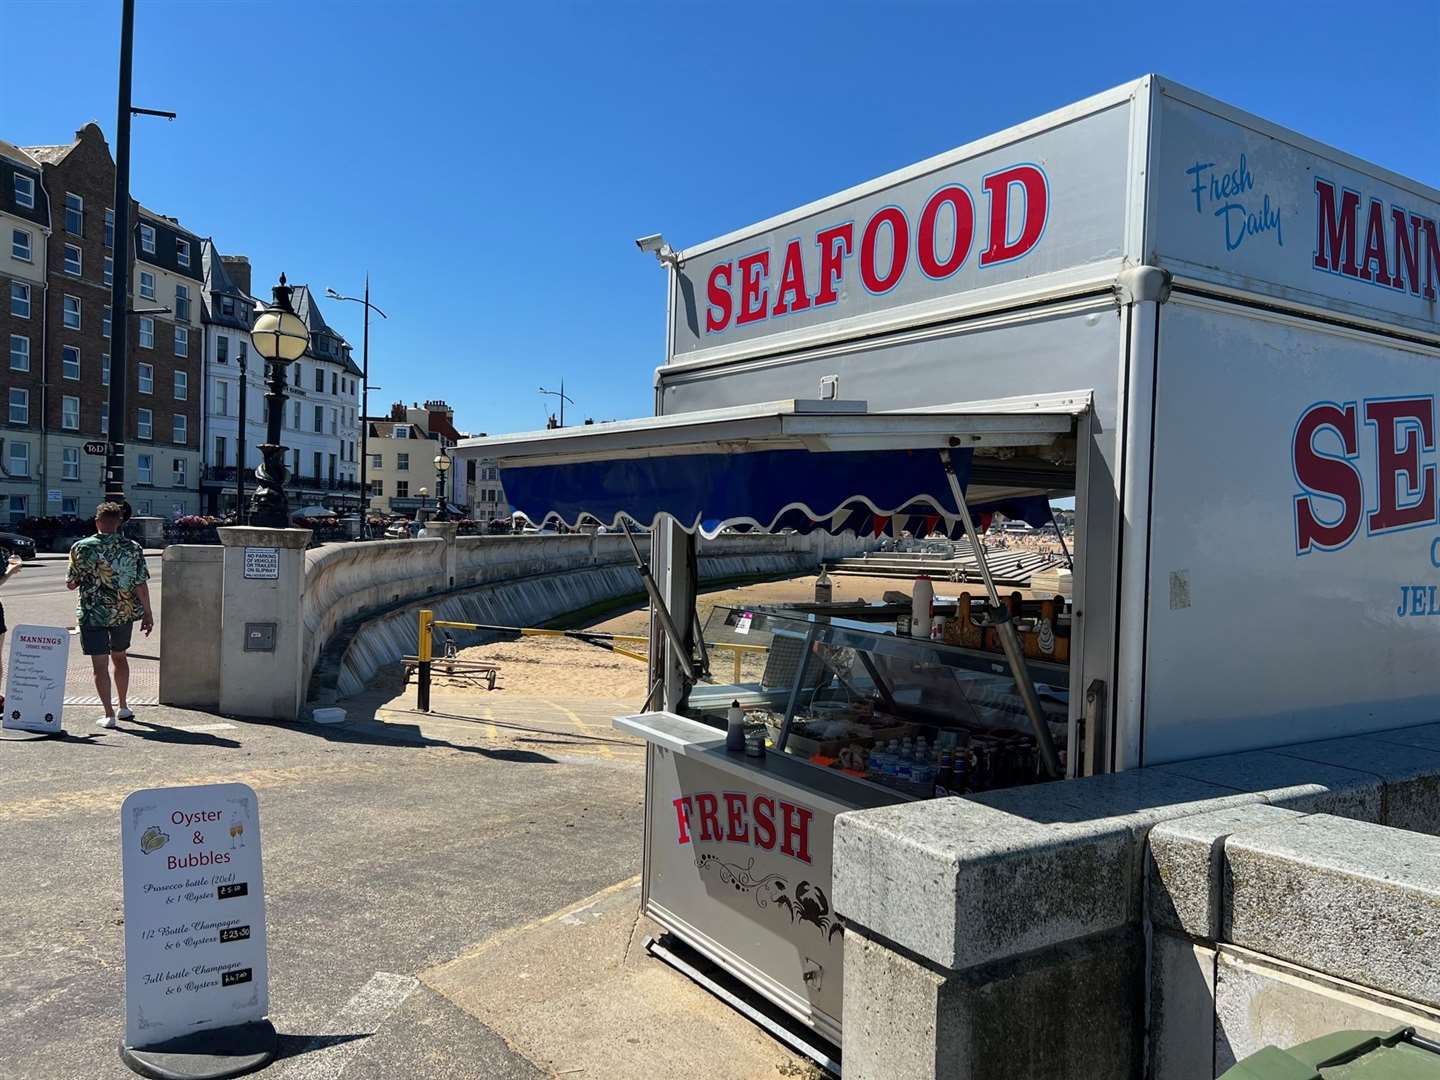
pixel 68 324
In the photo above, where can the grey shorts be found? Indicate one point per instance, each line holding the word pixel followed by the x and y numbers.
pixel 99 640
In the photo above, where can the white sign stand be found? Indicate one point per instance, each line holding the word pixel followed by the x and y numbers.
pixel 196 985
pixel 35 678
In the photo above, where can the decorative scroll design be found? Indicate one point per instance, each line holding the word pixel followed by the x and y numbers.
pixel 807 903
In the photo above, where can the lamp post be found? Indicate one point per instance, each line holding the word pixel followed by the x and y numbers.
pixel 365 389
pixel 281 338
pixel 563 399
pixel 442 466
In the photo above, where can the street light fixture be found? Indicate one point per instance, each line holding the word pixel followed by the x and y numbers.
pixel 563 399
pixel 281 338
pixel 442 466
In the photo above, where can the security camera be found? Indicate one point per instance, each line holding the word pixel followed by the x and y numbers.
pixel 663 252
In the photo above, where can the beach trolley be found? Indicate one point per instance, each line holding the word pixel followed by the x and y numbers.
pixel 1217 336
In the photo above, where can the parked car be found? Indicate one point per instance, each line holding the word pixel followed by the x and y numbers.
pixel 15 544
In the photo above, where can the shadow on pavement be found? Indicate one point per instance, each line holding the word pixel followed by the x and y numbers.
pixel 157 733
pixel 293 1046
pixel 17 735
pixel 366 729
pixel 510 725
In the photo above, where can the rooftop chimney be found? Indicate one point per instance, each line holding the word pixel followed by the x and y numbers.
pixel 238 267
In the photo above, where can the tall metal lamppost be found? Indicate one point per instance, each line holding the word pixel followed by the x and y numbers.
pixel 281 338
pixel 365 389
pixel 442 466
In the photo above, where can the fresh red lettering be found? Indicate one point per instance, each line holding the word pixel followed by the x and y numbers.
pixel 796 840
pixel 737 831
pixel 1335 229
pixel 1375 246
pixel 682 818
pixel 765 822
pixel 709 820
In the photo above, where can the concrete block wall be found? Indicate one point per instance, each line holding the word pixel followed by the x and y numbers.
pixel 190 622
pixel 994 890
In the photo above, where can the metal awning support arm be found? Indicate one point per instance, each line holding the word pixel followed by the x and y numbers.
pixel 672 632
pixel 1005 629
pixel 1069 560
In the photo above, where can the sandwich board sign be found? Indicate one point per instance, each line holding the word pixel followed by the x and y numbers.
pixel 194 916
pixel 35 672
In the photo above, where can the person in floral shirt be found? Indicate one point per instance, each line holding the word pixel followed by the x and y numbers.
pixel 110 572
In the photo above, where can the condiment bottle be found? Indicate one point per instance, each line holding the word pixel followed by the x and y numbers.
pixel 735 727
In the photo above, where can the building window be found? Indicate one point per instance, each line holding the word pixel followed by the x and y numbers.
pixel 70 463
pixel 24 191
pixel 402 431
pixel 222 398
pixel 144 468
pixel 74 214
pixel 182 386
pixel 19 405
pixel 147 285
pixel 105 413
pixel 219 459
pixel 334 421
pixel 319 418
pixel 376 461
pixel 105 369
pixel 332 468
pixel 72 260
pixel 109 270
pixel 296 424
pixel 17 509
pixel 177 472
pixel 72 313
pixel 182 252
pixel 147 378
pixel 402 489
pixel 19 352
pixel 109 228
pixel 147 239
pixel 319 379
pixel 182 341
pixel 20 245
pixel 70 363
pixel 70 413
pixel 317 458
pixel 402 462
pixel 105 322
pixel 227 305
pixel 222 349
pixel 180 429
pixel 182 303
pixel 19 459
pixel 67 506
pixel 144 424
pixel 377 487
pixel 19 300
pixel 334 379
pixel 147 333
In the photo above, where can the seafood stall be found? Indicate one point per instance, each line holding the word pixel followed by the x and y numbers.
pixel 1149 303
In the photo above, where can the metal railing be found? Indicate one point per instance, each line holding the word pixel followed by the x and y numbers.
pixel 425 655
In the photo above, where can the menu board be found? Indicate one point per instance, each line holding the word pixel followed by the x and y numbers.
pixel 194 911
pixel 35 678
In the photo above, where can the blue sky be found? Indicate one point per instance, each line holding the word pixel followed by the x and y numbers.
pixel 491 164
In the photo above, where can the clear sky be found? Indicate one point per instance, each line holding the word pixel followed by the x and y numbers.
pixel 491 164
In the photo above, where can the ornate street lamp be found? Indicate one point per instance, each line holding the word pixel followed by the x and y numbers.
pixel 281 338
pixel 442 466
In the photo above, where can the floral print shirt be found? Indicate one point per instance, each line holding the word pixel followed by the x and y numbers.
pixel 108 569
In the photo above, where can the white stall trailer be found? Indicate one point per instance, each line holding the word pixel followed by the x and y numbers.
pixel 1218 336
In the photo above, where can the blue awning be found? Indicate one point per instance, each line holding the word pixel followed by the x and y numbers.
pixel 832 466
pixel 767 491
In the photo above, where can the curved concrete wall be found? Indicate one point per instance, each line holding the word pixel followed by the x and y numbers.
pixel 533 601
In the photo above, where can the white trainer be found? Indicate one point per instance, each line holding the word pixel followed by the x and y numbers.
pixel 105 722
pixel 125 714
